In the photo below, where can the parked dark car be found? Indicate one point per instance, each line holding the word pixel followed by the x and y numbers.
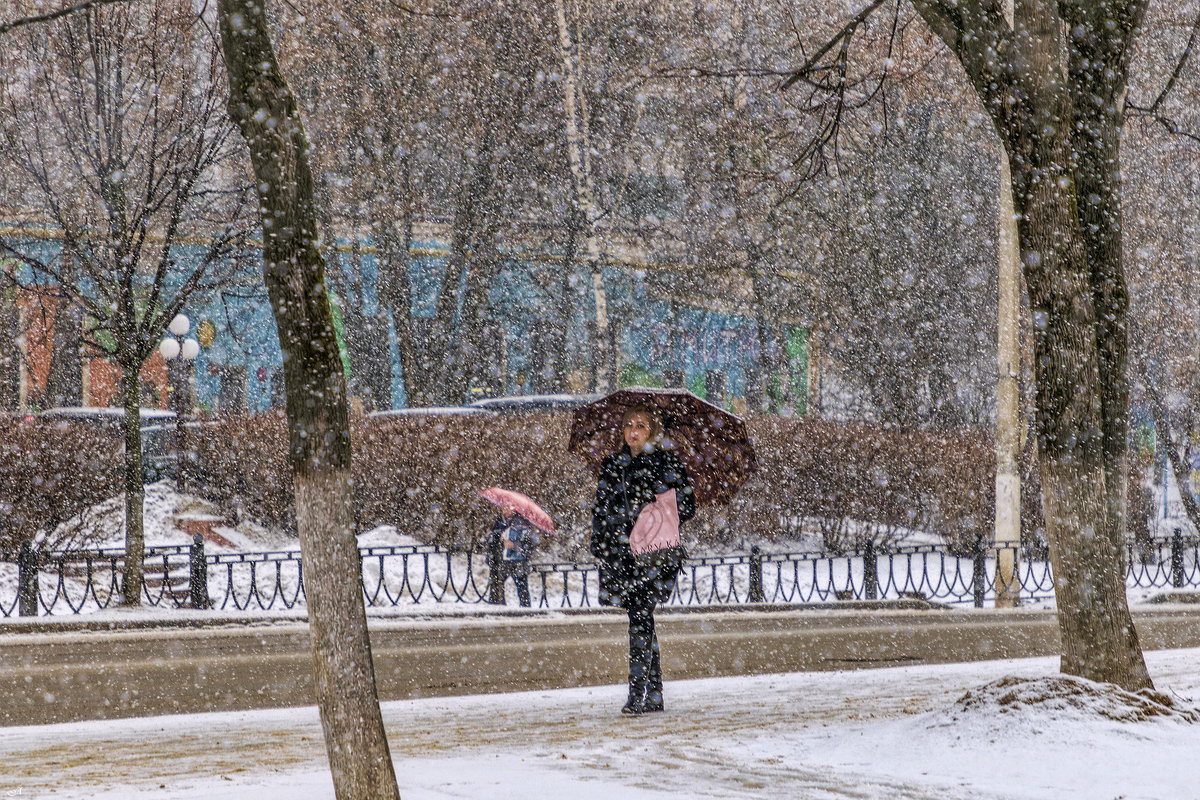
pixel 428 411
pixel 157 428
pixel 531 403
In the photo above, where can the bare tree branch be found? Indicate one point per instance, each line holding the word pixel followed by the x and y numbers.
pixel 846 34
pixel 50 16
pixel 1152 109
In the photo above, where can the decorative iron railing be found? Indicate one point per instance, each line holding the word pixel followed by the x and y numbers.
pixel 73 582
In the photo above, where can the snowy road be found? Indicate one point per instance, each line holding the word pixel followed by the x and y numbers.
pixel 812 736
pixel 77 675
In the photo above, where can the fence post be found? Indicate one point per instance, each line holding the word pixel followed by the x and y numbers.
pixel 979 573
pixel 1177 579
pixel 756 584
pixel 27 580
pixel 198 573
pixel 870 571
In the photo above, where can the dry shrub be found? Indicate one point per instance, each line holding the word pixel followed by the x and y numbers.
pixel 51 473
pixel 417 473
pixel 422 475
pixel 241 464
pixel 884 479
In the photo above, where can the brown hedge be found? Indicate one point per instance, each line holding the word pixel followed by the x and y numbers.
pixel 422 475
pixel 51 473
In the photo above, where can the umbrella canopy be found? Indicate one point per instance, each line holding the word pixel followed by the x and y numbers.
pixel 522 504
pixel 711 442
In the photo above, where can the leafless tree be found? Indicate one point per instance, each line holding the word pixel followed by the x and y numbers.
pixel 113 121
pixel 317 405
pixel 1062 137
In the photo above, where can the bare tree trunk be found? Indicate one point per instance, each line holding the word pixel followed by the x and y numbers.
pixel 135 535
pixel 1058 105
pixel 366 338
pixel 559 334
pixel 762 328
pixel 64 385
pixel 1162 421
pixel 395 291
pixel 318 424
pixel 579 155
pixel 474 206
pixel 10 356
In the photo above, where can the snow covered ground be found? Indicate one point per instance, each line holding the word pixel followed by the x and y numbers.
pixel 887 733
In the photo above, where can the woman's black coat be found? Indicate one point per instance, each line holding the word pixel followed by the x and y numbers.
pixel 627 484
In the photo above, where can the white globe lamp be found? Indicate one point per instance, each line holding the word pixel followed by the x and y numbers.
pixel 169 348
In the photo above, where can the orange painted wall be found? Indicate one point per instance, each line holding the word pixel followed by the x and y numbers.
pixel 103 376
pixel 38 314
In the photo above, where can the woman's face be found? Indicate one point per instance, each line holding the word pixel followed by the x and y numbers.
pixel 637 431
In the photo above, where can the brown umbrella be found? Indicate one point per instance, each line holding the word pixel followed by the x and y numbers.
pixel 711 442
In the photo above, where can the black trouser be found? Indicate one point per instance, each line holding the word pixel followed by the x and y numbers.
pixel 521 581
pixel 645 670
pixel 499 574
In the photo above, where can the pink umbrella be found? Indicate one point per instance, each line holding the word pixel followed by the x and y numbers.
pixel 522 504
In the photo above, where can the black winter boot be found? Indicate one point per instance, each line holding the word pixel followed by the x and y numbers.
pixel 641 658
pixel 636 704
pixel 654 684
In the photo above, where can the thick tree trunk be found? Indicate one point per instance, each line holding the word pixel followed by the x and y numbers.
pixel 1058 105
pixel 135 535
pixel 1079 304
pixel 318 426
pixel 1082 449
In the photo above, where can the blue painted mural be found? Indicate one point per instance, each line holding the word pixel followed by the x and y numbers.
pixel 715 351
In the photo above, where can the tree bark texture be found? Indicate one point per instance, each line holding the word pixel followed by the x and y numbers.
pixel 10 355
pixel 135 492
pixel 1054 85
pixel 64 384
pixel 294 269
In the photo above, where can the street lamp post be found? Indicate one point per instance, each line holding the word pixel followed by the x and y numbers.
pixel 178 352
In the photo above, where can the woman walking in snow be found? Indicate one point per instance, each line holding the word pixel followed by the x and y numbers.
pixel 639 477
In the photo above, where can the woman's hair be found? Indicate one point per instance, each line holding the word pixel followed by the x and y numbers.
pixel 656 424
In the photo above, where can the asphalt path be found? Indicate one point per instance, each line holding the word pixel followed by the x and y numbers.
pixel 67 672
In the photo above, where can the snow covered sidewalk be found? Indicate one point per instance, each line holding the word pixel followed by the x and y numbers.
pixel 882 733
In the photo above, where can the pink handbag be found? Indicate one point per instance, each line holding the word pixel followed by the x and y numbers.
pixel 657 526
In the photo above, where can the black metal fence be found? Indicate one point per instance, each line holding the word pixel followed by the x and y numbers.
pixel 34 583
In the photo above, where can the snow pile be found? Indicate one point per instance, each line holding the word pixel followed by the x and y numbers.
pixel 1025 703
pixel 103 525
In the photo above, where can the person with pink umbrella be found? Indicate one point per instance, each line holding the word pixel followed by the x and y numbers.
pixel 511 542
